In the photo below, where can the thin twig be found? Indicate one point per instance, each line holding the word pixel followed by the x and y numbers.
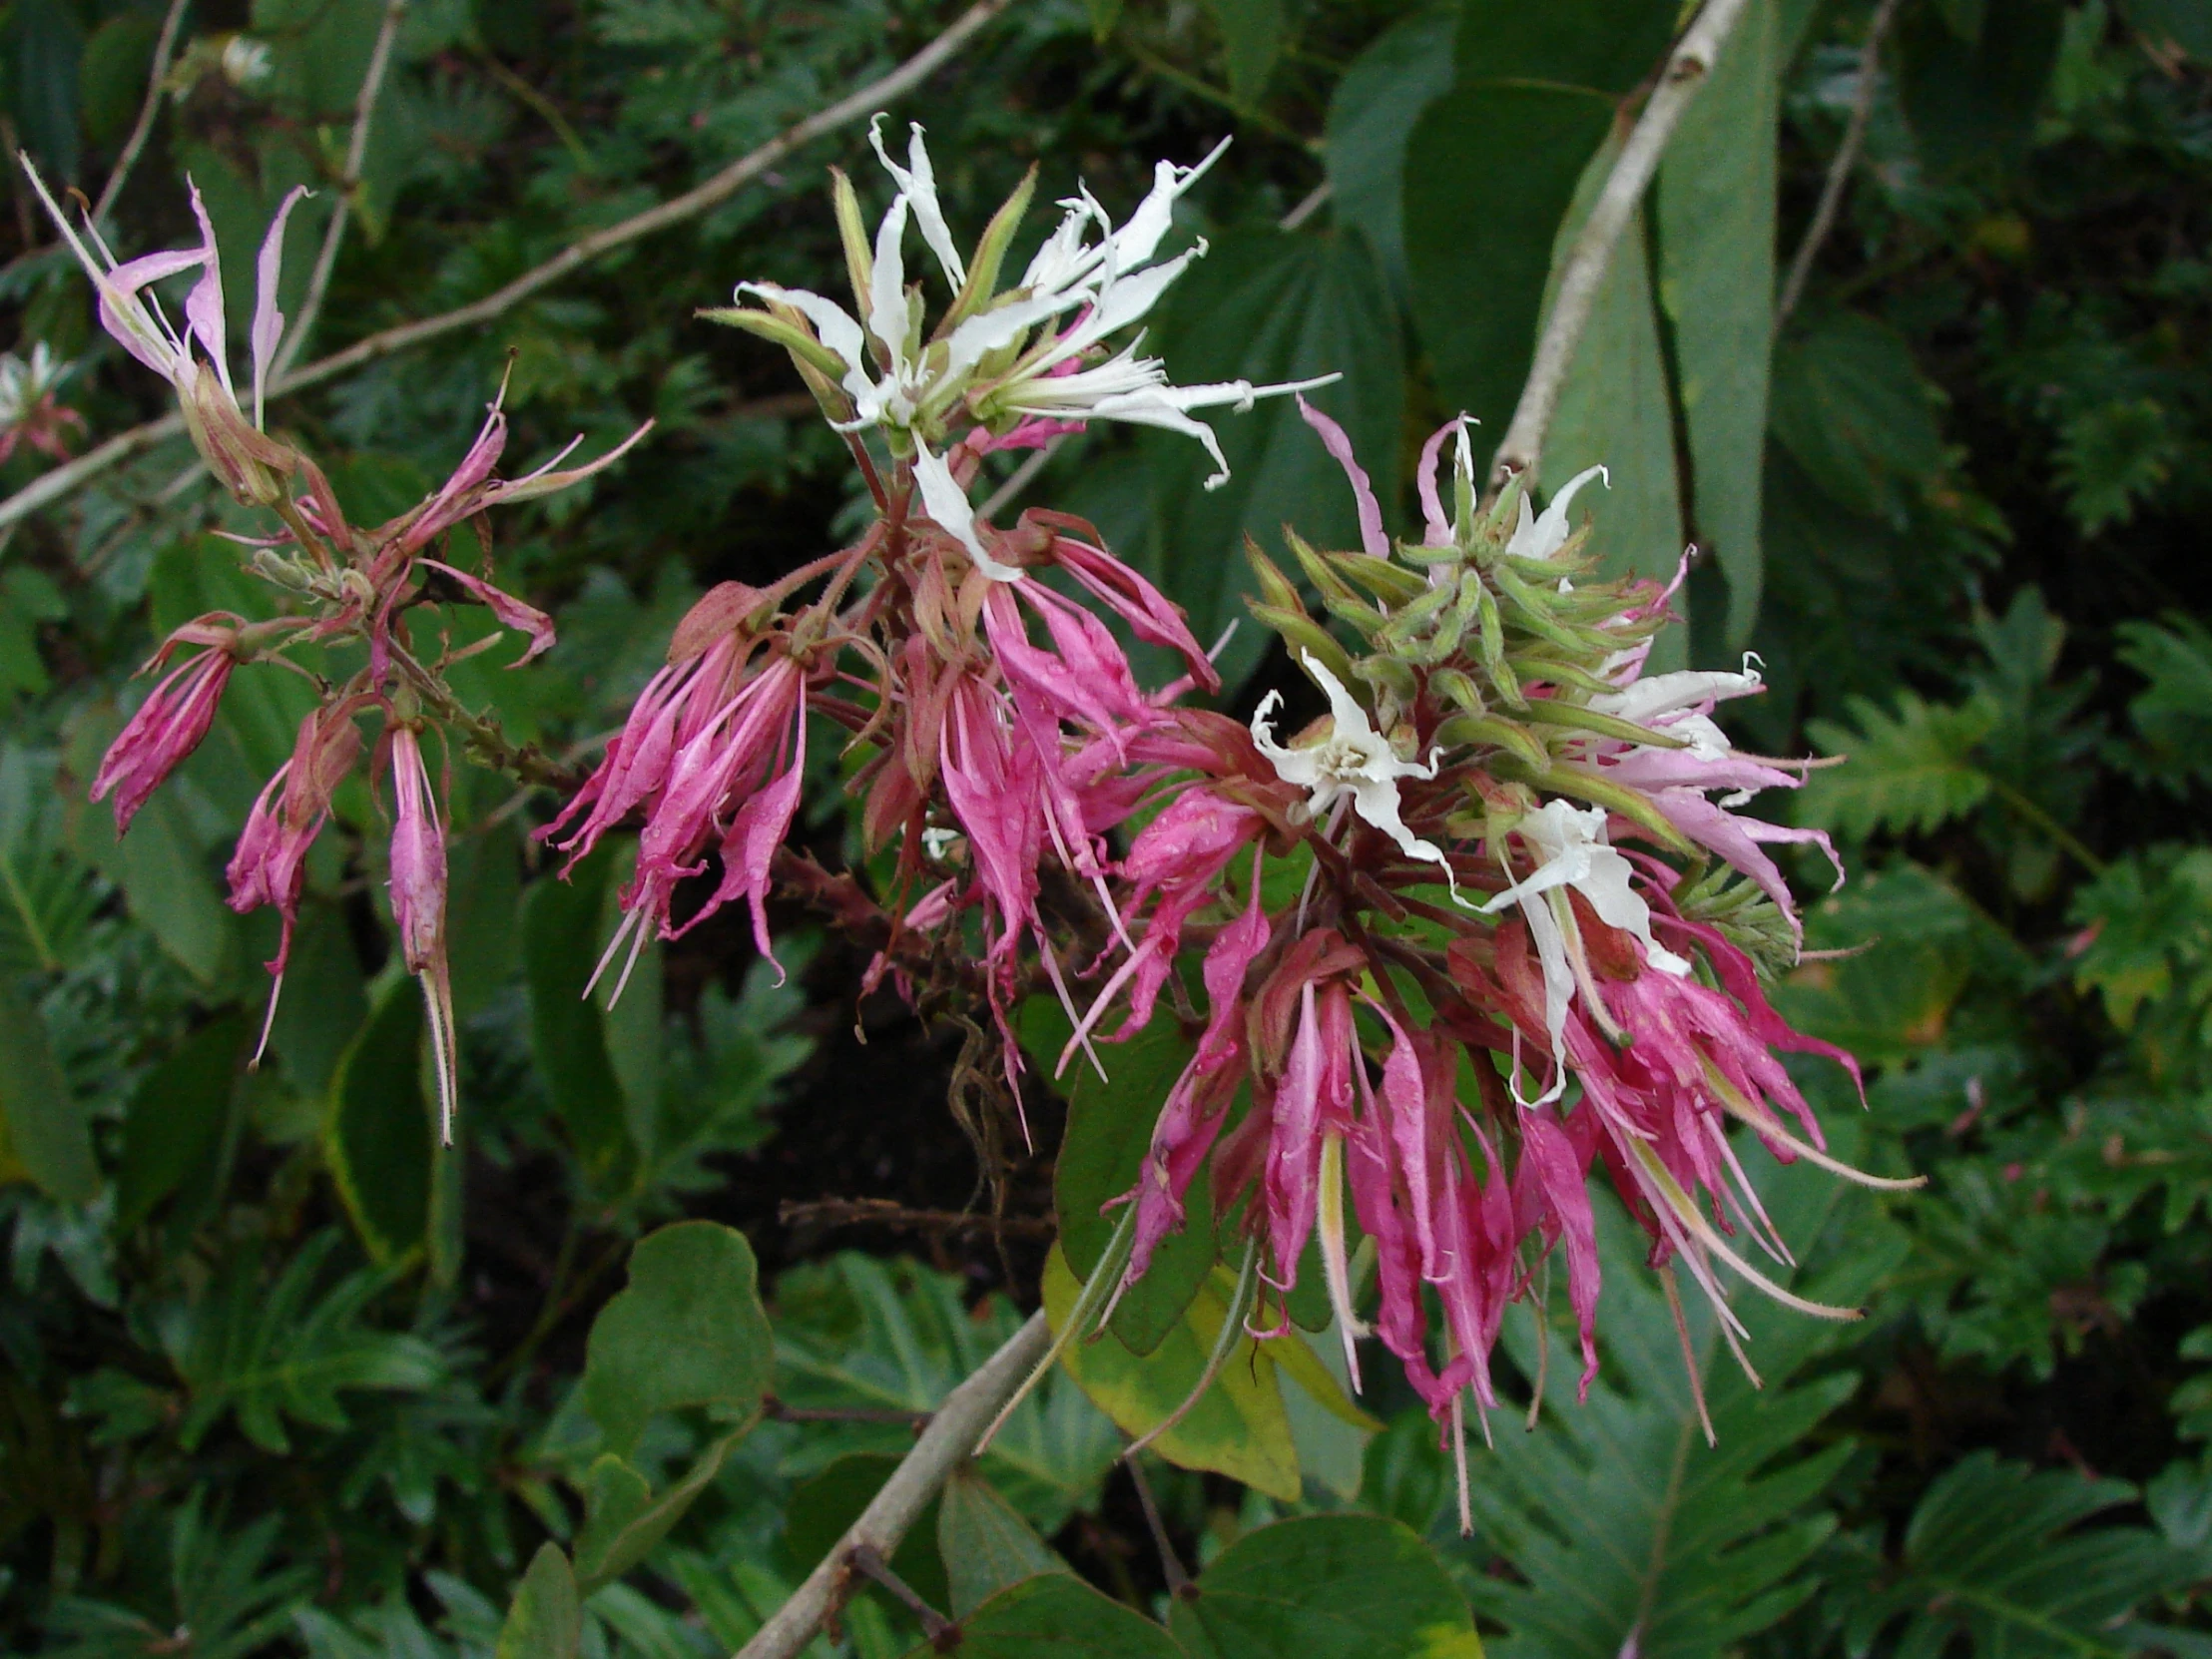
pixel 883 1212
pixel 164 48
pixel 1687 68
pixel 947 1442
pixel 868 1561
pixel 52 487
pixel 1171 1565
pixel 349 188
pixel 1839 170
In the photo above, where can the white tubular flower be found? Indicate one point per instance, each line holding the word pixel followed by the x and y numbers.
pixel 1006 361
pixel 1541 535
pixel 1573 853
pixel 1355 761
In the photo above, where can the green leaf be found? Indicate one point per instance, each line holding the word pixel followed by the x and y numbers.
pixel 1917 944
pixel 1625 1529
pixel 1270 305
pixel 1974 101
pixel 271 1351
pixel 2173 713
pixel 1908 773
pixel 623 1521
pixel 546 1620
pixel 689 1330
pixel 325 1000
pixel 169 887
pixel 48 895
pixel 984 1543
pixel 47 42
pixel 482 913
pixel 1109 1128
pixel 1617 411
pixel 1252 41
pixel 1477 255
pixel 1852 409
pixel 1370 123
pixel 1238 1428
pixel 2186 24
pixel 28 597
pixel 1716 231
pixel 1607 45
pixel 1327 1587
pixel 1993 1555
pixel 561 942
pixel 43 1135
pixel 177 1126
pixel 1052 1615
pixel 2148 923
pixel 110 79
pixel 376 1135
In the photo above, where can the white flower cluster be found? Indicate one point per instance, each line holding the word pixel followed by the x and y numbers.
pixel 1037 352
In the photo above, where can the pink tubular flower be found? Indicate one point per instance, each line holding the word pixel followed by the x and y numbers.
pixel 418 887
pixel 172 721
pixel 711 764
pixel 270 865
pixel 1691 757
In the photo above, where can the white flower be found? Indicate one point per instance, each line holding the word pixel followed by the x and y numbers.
pixel 23 383
pixel 916 390
pixel 1541 535
pixel 1573 853
pixel 1354 763
pixel 245 60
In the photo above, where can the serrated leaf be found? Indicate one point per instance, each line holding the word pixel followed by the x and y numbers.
pixel 1627 1531
pixel 2173 713
pixel 1910 769
pixel 1993 1555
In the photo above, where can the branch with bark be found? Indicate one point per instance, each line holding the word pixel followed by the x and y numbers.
pixel 1687 68
pixel 866 101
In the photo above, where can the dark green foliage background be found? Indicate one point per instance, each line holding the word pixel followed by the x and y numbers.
pixel 275 1379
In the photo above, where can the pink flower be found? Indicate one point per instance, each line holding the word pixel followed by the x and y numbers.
pixel 711 765
pixel 270 865
pixel 418 887
pixel 172 721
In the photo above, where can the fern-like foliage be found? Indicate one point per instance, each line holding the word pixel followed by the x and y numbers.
pixel 1912 770
pixel 222 1598
pixel 2173 713
pixel 1626 1531
pixel 269 1351
pixel 1997 1559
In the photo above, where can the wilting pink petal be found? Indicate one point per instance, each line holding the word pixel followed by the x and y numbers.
pixel 1333 439
pixel 511 612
